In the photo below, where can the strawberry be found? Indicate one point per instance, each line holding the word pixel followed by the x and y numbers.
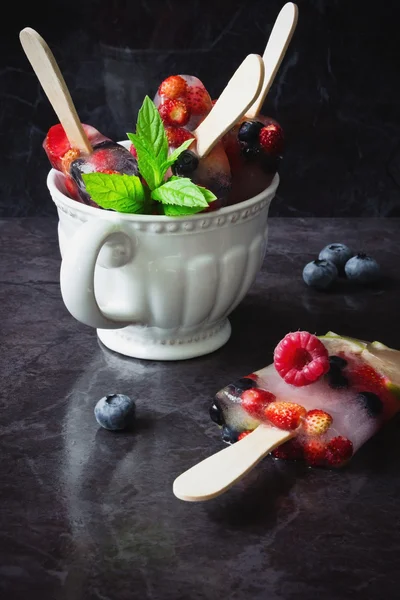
pixel 271 139
pixel 301 358
pixel 255 401
pixel 285 415
pixel 177 135
pixel 339 451
pixel 173 87
pixel 71 187
pixel 198 100
pixel 174 112
pixel 243 435
pixel 316 422
pixel 132 150
pixel 56 143
pixel 314 452
pixel 252 376
pixel 291 450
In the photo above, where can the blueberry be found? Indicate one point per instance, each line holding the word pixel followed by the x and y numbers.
pixel 339 254
pixel 338 361
pixel 249 132
pixel 186 163
pixel 335 377
pixel 115 411
pixel 216 413
pixel 320 274
pixel 241 385
pixel 362 269
pixel 371 402
pixel 229 435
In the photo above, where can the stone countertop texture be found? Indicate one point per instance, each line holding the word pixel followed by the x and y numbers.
pixel 88 514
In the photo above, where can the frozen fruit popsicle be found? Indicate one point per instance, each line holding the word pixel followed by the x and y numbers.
pixel 186 109
pixel 319 401
pixel 255 145
pixel 71 147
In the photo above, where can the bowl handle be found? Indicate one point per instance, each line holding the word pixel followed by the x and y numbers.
pixel 77 273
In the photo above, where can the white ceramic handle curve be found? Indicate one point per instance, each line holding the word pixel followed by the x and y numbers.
pixel 77 273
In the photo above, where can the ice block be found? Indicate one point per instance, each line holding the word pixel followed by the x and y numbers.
pixel 71 147
pixel 319 401
pixel 186 109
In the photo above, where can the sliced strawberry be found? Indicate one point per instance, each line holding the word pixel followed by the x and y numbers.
pixel 301 358
pixel 71 187
pixel 198 100
pixel 255 401
pixel 316 422
pixel 339 451
pixel 291 450
pixel 177 135
pixel 174 112
pixel 271 139
pixel 285 415
pixel 314 452
pixel 173 87
pixel 132 150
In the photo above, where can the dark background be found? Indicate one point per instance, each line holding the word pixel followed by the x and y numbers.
pixel 337 93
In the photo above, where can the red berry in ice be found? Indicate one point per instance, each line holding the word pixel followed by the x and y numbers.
pixel 285 415
pixel 198 100
pixel 291 450
pixel 271 139
pixel 314 452
pixel 256 400
pixel 339 451
pixel 301 358
pixel 177 135
pixel 173 87
pixel 316 422
pixel 174 112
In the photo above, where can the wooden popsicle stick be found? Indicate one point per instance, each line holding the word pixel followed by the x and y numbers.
pixel 217 473
pixel 49 75
pixel 238 95
pixel 275 50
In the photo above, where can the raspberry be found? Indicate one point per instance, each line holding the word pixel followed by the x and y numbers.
pixel 177 135
pixel 198 100
pixel 314 453
pixel 301 358
pixel 285 415
pixel 256 400
pixel 243 435
pixel 173 87
pixel 316 422
pixel 174 112
pixel 271 139
pixel 339 451
pixel 291 450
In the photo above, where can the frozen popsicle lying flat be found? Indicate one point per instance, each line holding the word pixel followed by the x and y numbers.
pixel 319 401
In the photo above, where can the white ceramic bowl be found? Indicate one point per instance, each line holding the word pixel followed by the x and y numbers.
pixel 158 287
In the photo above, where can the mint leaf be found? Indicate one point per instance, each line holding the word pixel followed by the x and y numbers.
pixel 175 155
pixel 180 191
pixel 171 210
pixel 150 129
pixel 147 162
pixel 122 193
pixel 208 194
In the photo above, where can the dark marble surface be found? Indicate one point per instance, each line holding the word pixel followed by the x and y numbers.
pixel 88 514
pixel 336 95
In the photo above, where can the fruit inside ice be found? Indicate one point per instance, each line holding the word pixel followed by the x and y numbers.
pixel 183 102
pixel 333 401
pixel 107 157
pixel 254 148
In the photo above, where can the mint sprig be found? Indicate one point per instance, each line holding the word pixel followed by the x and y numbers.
pixel 125 193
